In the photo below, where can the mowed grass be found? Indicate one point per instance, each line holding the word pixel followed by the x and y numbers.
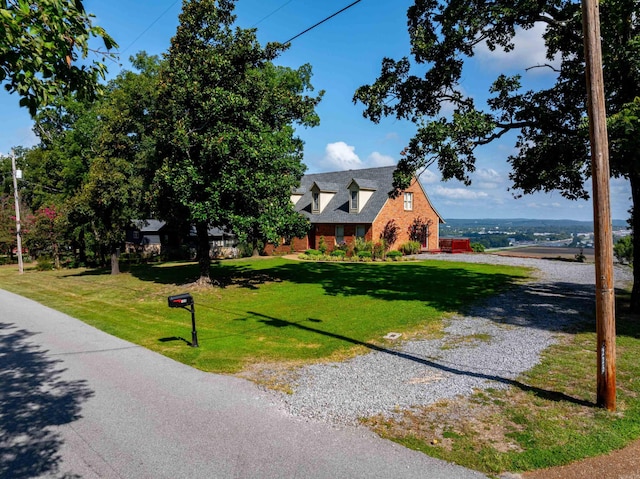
pixel 266 310
pixel 548 418
pixel 274 310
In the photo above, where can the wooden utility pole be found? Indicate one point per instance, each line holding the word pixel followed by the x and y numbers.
pixel 605 297
pixel 17 200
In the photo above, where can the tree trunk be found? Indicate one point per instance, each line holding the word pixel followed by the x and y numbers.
pixel 56 255
pixel 204 259
pixel 634 179
pixel 115 257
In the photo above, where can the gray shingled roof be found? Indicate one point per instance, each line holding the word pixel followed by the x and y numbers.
pixel 337 211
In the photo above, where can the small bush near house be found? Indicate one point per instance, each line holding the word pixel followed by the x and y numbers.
pixel 313 252
pixel 322 245
pixel 477 247
pixel 360 245
pixel 365 255
pixel 338 253
pixel 394 255
pixel 411 247
pixel 379 249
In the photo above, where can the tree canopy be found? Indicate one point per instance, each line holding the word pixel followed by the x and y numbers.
pixel 552 146
pixel 41 43
pixel 226 146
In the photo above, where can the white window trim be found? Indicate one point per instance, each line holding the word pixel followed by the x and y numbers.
pixel 408 201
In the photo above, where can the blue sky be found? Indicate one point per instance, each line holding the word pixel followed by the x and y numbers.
pixel 345 53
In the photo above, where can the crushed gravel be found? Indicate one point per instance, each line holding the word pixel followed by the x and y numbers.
pixel 489 347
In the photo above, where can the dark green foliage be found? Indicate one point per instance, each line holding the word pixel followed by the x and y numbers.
pixel 477 247
pixel 552 147
pixel 43 49
pixel 410 247
pixel 92 163
pixel 623 250
pixel 226 146
pixel 394 255
pixel 322 245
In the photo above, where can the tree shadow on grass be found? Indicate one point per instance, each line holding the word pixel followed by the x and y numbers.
pixel 542 393
pixel 443 287
pixel 33 398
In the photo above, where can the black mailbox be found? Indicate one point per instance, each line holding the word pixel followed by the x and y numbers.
pixel 180 300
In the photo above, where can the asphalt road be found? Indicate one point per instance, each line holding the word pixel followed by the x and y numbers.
pixel 78 403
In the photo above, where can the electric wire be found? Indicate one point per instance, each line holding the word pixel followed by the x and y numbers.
pixel 275 11
pixel 149 27
pixel 322 21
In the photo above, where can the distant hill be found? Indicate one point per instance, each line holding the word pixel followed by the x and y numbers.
pixel 521 223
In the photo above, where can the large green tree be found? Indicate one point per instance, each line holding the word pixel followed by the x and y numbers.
pixel 552 132
pixel 93 159
pixel 227 151
pixel 44 45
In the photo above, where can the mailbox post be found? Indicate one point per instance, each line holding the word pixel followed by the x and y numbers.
pixel 184 301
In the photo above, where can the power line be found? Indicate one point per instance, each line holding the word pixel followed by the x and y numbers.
pixel 322 21
pixel 275 11
pixel 149 27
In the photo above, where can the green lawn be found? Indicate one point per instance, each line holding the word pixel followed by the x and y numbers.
pixel 266 310
pixel 290 312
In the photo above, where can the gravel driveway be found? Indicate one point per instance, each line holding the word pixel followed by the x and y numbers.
pixel 489 347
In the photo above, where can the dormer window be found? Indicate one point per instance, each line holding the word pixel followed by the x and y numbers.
pixel 359 193
pixel 353 206
pixel 321 196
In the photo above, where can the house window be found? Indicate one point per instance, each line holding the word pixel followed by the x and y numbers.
pixel 360 231
pixel 339 234
pixel 354 200
pixel 408 201
pixel 136 235
pixel 316 202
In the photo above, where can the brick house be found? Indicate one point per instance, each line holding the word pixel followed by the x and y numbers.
pixel 345 205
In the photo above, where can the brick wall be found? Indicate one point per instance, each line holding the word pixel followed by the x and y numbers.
pixel 394 209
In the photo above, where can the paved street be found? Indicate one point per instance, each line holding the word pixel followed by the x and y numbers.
pixel 76 402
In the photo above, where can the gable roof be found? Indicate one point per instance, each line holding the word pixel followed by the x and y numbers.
pixel 380 180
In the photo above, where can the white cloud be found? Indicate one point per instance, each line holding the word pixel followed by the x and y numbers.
pixel 529 51
pixel 378 159
pixel 428 177
pixel 553 204
pixel 487 178
pixel 459 193
pixel 342 156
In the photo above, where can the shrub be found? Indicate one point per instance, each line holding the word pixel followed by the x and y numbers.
pixel 477 247
pixel 390 232
pixel 322 245
pixel 338 253
pixel 411 247
pixel 362 245
pixel 365 255
pixel 313 252
pixel 394 255
pixel 379 249
pixel 623 250
pixel 44 264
